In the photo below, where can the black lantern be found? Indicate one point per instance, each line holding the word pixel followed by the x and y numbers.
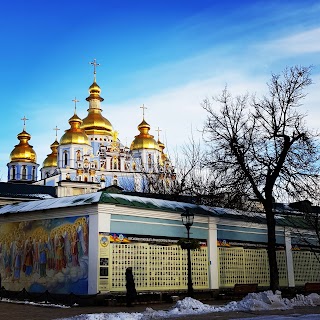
pixel 187 220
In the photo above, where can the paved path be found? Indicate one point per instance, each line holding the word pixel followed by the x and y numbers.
pixel 12 311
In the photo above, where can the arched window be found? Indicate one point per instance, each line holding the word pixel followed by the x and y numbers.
pixel 115 163
pixel 13 177
pixel 78 154
pixel 33 173
pixel 65 156
pixel 149 161
pixel 24 172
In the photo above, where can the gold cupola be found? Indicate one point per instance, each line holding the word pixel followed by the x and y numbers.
pixel 144 140
pixel 95 122
pixel 74 135
pixel 23 151
pixel 52 158
pixel 164 157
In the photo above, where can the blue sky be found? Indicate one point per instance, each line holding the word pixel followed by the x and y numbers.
pixel 167 54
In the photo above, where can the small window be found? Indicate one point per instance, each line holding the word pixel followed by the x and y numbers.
pixel 24 172
pixel 78 152
pixel 33 173
pixel 13 173
pixel 65 154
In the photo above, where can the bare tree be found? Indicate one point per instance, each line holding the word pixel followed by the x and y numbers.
pixel 262 147
pixel 183 174
pixel 305 222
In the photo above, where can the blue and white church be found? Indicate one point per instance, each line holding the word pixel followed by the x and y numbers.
pixel 89 155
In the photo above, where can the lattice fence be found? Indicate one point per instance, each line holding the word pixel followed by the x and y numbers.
pixel 306 267
pixel 157 267
pixel 240 265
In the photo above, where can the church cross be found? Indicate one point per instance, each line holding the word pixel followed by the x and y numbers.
pixel 56 129
pixel 24 119
pixel 158 130
pixel 143 108
pixel 75 105
pixel 95 64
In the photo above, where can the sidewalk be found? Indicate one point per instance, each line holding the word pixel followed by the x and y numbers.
pixel 12 311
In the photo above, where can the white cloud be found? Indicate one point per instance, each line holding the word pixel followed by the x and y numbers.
pixel 300 43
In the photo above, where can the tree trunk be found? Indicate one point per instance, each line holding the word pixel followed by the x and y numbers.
pixel 273 266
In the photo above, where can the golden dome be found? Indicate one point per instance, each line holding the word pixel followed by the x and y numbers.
pixel 94 89
pixel 164 157
pixel 144 140
pixel 75 134
pixel 52 158
pixel 95 122
pixel 23 152
pixel 161 145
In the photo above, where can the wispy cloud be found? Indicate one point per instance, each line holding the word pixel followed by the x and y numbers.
pixel 297 44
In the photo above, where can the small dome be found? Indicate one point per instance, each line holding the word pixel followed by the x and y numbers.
pixel 52 158
pixel 74 135
pixel 161 145
pixel 144 140
pixel 23 152
pixel 94 89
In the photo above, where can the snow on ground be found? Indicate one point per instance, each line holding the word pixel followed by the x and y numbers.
pixel 42 304
pixel 293 317
pixel 261 301
pixel 266 300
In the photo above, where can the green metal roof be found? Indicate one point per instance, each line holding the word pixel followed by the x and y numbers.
pixel 285 220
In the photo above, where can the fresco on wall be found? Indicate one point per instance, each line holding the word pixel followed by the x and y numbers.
pixel 45 255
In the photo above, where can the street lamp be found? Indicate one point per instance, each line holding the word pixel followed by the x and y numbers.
pixel 187 220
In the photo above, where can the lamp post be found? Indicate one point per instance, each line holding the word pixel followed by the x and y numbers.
pixel 187 220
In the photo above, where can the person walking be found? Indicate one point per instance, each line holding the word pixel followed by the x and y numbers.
pixel 131 288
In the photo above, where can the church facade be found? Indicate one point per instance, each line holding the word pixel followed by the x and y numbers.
pixel 90 153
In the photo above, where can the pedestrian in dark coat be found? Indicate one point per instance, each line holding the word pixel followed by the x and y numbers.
pixel 131 288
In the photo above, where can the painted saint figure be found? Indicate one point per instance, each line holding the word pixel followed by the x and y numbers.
pixel 60 256
pixel 43 258
pixel 17 262
pixel 28 261
pixel 74 249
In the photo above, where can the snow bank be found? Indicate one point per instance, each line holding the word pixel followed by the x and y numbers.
pixel 266 300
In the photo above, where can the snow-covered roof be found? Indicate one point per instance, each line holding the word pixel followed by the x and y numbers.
pixel 156 204
pixel 148 203
pixel 53 203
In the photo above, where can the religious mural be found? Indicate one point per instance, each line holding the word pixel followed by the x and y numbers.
pixel 45 255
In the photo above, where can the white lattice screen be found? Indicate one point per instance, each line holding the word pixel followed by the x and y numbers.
pixel 306 267
pixel 231 266
pixel 282 268
pixel 256 266
pixel 239 265
pixel 157 267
